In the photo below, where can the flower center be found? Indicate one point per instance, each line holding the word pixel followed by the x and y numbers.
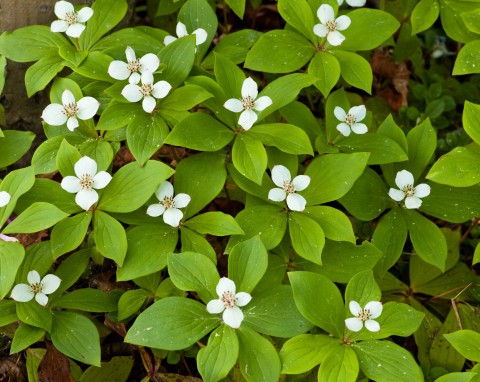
pixel 350 120
pixel 229 300
pixel 146 89
pixel 168 202
pixel 331 25
pixel 86 182
pixel 36 288
pixel 248 103
pixel 70 110
pixel 133 66
pixel 365 315
pixel 288 187
pixel 408 190
pixel 70 18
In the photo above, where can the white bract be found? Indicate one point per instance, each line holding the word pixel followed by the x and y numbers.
pixel 36 288
pixel 169 205
pixel 353 3
pixel 8 238
pixel 330 26
pixel 404 181
pixel 85 181
pixel 200 34
pixel 288 188
pixel 69 19
pixel 248 102
pixel 56 114
pixel 4 198
pixel 228 302
pixel 373 309
pixel 133 67
pixel 349 121
pixel 147 91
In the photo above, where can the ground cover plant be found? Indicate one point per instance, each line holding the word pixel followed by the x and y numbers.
pixel 245 191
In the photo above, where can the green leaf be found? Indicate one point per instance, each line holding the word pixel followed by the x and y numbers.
pixel 25 335
pixel 215 360
pixel 467 59
pixel 132 186
pixel 148 247
pixel 452 22
pixel 458 168
pixel 249 157
pixel 326 69
pixel 355 69
pixel 130 302
pixel 340 364
pixel 359 36
pixel 117 115
pixel 214 223
pixel 117 369
pixel 192 271
pixel 422 141
pixel 7 312
pixel 32 313
pixel 37 41
pixel 273 312
pixel 279 51
pixel 70 270
pixel 427 239
pixel 178 58
pixel 172 323
pixel 95 67
pixel 332 176
pixel 389 237
pixel 471 119
pixel 145 135
pixel 258 358
pixel 237 6
pixel 35 218
pixel 13 145
pixel 100 151
pixel 69 233
pixel 288 138
pixel 229 76
pixel 362 288
pixel 11 257
pixel 335 224
pixel 67 156
pixel 44 158
pixel 424 15
pixel 307 237
pixel 200 131
pixel 106 14
pixel 466 343
pixel 110 237
pixel 185 98
pixel 202 176
pixel 194 242
pixel 76 337
pixel 459 377
pixel 88 300
pixel 247 264
pixel 72 55
pixel 319 301
pixel 397 364
pixel 38 76
pixel 299 15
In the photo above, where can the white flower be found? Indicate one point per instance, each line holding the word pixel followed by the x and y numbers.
pixel 247 103
pixel 373 309
pixel 69 19
pixel 56 114
pixel 288 188
pixel 412 195
pixel 169 205
pixel 122 70
pixel 200 34
pixel 147 91
pixel 349 121
pixel 4 198
pixel 329 26
pixel 228 302
pixel 84 183
pixel 8 238
pixel 353 3
pixel 38 289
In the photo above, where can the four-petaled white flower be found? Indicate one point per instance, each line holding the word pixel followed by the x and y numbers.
pixel 56 114
pixel 353 3
pixel 84 183
pixel 349 121
pixel 373 309
pixel 329 26
pixel 169 205
pixel 200 34
pixel 69 19
pixel 248 102
pixel 288 188
pixel 228 302
pixel 147 91
pixel 4 198
pixel 122 70
pixel 404 181
pixel 36 288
